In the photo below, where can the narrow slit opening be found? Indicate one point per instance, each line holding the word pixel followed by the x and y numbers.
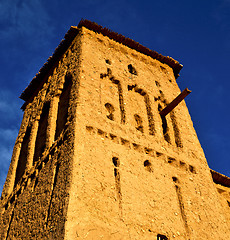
pixel 139 123
pixel 110 115
pixel 116 161
pixel 148 165
pixel 108 61
pixel 132 70
pixel 164 125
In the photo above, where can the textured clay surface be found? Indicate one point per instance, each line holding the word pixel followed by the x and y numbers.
pixel 94 159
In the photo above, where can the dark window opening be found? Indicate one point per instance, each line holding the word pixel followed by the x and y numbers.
pixel 116 161
pixel 42 132
pixel 112 136
pixel 164 70
pixel 89 128
pixel 63 106
pixel 12 199
pixel 161 237
pixel 6 206
pixel 228 203
pixel 108 61
pixel 171 160
pixel 19 192
pixel 157 84
pixel 192 169
pixel 182 163
pixel 110 110
pixel 116 172
pixel 164 125
pixel 139 123
pixel 175 179
pixel 148 165
pixel 101 132
pixel 32 176
pixel 131 69
pixel 140 91
pixel 109 72
pixel 131 87
pixel 125 142
pixel 159 154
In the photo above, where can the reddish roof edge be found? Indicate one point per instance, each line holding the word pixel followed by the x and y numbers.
pixel 59 51
pixel 220 178
pixel 71 34
pixel 132 44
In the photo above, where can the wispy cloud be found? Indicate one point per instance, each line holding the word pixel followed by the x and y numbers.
pixel 8 136
pixel 24 18
pixel 9 108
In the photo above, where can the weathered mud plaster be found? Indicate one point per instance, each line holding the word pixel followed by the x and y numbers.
pixel 94 159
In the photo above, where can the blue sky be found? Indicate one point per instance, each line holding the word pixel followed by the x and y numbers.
pixel 196 33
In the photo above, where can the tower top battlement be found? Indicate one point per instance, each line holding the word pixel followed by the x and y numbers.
pixel 72 33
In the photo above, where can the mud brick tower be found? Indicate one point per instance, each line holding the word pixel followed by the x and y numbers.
pixel 96 159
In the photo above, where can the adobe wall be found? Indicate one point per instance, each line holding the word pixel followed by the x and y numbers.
pixel 35 196
pixel 224 198
pixel 132 178
pixel 94 158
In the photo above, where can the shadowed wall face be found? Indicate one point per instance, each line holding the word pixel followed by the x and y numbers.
pixel 42 131
pixel 63 105
pixel 40 193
